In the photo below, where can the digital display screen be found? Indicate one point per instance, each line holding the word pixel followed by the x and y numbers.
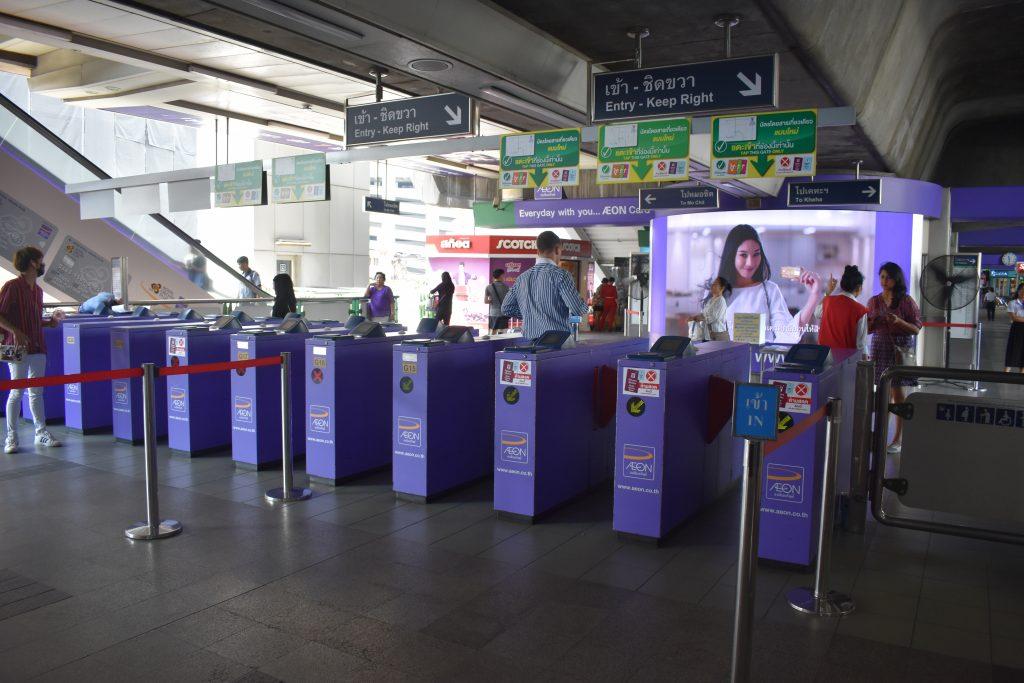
pixel 226 322
pixel 293 325
pixel 553 338
pixel 671 345
pixel 368 328
pixel 453 333
pixel 805 353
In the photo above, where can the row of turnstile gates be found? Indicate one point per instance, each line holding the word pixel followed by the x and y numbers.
pixel 548 423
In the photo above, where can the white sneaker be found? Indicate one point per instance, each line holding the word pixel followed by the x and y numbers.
pixel 11 444
pixel 45 438
pixel 894 448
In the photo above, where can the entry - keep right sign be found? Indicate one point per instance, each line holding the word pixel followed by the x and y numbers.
pixel 776 144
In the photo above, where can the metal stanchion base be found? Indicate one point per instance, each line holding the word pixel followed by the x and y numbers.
pixel 142 532
pixel 834 605
pixel 280 495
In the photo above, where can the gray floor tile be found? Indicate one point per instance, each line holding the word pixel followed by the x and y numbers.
pixel 1008 652
pixel 975 619
pixel 959 593
pixel 954 642
pixel 884 629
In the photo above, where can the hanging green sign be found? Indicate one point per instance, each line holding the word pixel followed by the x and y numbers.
pixel 771 145
pixel 546 158
pixel 302 178
pixel 242 184
pixel 650 151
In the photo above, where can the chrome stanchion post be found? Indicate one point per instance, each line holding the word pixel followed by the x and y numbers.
pixel 746 564
pixel 977 354
pixel 153 528
pixel 287 493
pixel 819 600
pixel 860 458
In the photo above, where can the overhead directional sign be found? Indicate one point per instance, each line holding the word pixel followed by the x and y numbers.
pixel 381 205
pixel 643 152
pixel 679 198
pixel 745 83
pixel 546 158
pixel 771 145
pixel 434 116
pixel 835 193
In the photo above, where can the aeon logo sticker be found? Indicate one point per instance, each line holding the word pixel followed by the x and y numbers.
pixel 784 483
pixel 410 431
pixel 243 409
pixel 515 447
pixel 638 462
pixel 176 397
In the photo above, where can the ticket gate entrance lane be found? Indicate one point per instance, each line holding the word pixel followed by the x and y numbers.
pixel 348 404
pixel 443 415
pixel 791 474
pixel 130 347
pixel 550 445
pixel 255 397
pixel 667 464
pixel 86 347
pixel 199 406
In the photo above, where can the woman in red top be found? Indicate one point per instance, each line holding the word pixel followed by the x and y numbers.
pixel 843 321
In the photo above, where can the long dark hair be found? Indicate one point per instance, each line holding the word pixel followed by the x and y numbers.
pixel 895 273
pixel 737 236
pixel 284 296
pixel 446 279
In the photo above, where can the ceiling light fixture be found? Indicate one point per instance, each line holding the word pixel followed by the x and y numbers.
pixel 430 65
pixel 307 20
pixel 232 78
pixel 518 102
pixel 292 243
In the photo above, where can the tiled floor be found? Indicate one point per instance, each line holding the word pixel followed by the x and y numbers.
pixel 355 584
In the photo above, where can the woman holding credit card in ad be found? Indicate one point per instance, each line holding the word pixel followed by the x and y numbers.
pixel 745 265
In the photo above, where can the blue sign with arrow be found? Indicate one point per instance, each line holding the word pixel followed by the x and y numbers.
pixel 433 116
pixel 835 193
pixel 679 198
pixel 744 83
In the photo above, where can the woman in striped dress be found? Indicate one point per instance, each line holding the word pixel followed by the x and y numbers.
pixel 894 319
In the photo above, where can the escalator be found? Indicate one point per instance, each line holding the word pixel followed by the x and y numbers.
pixel 164 262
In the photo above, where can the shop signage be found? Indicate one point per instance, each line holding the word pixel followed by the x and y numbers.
pixel 498 245
pixel 434 116
pixel 302 178
pixel 773 145
pixel 745 83
pixel 754 412
pixel 380 205
pixel 565 213
pixel 548 158
pixel 835 193
pixel 648 151
pixel 548 193
pixel 679 198
pixel 243 184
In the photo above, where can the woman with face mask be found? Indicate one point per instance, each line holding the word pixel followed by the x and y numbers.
pixel 745 265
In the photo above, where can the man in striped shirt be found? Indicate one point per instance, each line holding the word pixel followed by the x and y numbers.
pixel 21 319
pixel 544 296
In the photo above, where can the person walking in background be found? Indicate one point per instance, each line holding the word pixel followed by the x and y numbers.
pixel 250 275
pixel 195 268
pixel 1015 343
pixel 544 297
pixel 284 296
pixel 713 310
pixel 894 319
pixel 609 304
pixel 597 303
pixel 494 296
pixel 21 318
pixel 381 306
pixel 990 302
pixel 445 294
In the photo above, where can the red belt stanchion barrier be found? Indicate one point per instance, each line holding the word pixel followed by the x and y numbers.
pixel 155 528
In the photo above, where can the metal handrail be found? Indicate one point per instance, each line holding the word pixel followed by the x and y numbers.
pixel 882 433
pixel 87 164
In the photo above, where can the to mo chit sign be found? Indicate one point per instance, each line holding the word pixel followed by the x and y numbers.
pixel 501 245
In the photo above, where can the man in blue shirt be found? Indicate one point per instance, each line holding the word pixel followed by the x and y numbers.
pixel 544 297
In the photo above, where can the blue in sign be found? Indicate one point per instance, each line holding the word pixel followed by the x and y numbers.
pixel 944 412
pixel 964 413
pixel 755 412
pixel 984 415
pixel 1004 417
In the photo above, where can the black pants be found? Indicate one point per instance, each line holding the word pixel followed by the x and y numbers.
pixel 991 306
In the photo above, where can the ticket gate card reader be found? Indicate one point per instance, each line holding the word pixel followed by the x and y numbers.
pixel 791 473
pixel 552 340
pixel 256 395
pixel 667 464
pixel 348 394
pixel 443 414
pixel 550 442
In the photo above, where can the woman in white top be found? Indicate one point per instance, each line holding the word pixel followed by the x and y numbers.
pixel 745 265
pixel 1015 344
pixel 713 311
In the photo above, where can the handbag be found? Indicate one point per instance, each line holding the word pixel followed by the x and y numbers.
pixel 906 354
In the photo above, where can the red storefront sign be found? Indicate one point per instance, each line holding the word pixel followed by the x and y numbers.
pixel 501 245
